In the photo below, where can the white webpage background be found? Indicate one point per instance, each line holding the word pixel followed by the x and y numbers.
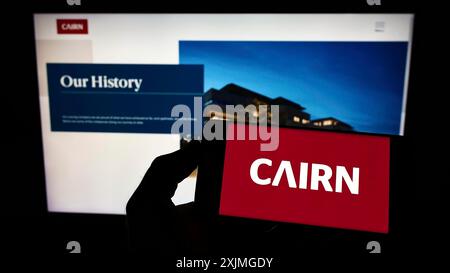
pixel 98 172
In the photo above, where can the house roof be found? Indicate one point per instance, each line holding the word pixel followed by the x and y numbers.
pixel 242 91
pixel 284 101
pixel 239 90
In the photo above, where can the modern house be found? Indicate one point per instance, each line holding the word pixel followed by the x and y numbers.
pixel 290 113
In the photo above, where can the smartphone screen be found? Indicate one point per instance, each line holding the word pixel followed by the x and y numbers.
pixel 313 177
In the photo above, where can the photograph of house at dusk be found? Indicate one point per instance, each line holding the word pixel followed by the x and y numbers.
pixel 357 86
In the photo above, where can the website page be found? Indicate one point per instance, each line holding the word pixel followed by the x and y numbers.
pixel 108 84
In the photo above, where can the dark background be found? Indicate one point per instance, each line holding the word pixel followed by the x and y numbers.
pixel 418 171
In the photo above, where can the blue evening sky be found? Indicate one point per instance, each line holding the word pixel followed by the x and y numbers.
pixel 360 83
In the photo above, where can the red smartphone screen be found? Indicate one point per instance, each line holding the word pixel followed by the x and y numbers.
pixel 317 178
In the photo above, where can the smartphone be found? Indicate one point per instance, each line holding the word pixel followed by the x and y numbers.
pixel 313 177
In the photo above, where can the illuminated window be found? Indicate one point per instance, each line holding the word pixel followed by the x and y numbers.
pixel 296 119
pixel 305 121
pixel 317 123
pixel 327 122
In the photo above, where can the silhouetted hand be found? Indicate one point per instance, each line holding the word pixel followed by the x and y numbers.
pixel 155 223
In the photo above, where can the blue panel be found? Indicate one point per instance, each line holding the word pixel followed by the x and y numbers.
pixel 120 97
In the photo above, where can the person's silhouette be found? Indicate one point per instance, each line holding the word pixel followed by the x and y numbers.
pixel 156 225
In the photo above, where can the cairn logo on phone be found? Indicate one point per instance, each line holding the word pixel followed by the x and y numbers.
pixel 317 178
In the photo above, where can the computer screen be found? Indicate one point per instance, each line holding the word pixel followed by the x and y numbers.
pixel 108 84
